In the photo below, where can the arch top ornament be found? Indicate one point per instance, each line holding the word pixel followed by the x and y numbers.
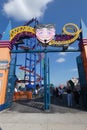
pixel 70 34
pixel 45 34
pixel 21 29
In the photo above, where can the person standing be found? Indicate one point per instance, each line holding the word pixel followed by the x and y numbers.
pixel 69 97
pixel 76 93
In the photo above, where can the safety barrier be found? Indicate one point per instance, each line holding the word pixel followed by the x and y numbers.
pixel 22 95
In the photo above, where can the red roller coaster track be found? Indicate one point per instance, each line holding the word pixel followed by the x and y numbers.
pixel 39 77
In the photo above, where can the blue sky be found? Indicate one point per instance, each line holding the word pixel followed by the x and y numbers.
pixel 59 12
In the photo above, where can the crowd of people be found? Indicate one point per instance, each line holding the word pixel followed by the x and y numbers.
pixel 71 91
pixel 72 94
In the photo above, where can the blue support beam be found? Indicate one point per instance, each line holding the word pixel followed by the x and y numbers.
pixel 44 51
pixel 48 90
pixel 46 107
pixel 46 71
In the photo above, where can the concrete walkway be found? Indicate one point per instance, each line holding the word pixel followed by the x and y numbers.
pixel 14 120
pixel 29 115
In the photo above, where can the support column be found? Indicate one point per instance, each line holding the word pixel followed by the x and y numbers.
pixel 4 70
pixel 46 85
pixel 84 56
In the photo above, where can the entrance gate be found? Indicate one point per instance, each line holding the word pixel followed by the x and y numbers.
pixel 45 37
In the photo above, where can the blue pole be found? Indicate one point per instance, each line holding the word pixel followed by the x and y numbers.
pixel 35 70
pixel 40 68
pixel 15 60
pixel 45 82
pixel 48 92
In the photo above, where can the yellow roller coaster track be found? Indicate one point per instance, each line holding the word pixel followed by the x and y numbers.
pixel 68 29
pixel 21 29
pixel 75 31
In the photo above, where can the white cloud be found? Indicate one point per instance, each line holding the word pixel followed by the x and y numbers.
pixel 25 9
pixel 71 47
pixel 62 53
pixel 60 60
pixel 74 70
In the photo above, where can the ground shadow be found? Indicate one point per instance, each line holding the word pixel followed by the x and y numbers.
pixel 56 100
pixel 36 105
pixel 27 106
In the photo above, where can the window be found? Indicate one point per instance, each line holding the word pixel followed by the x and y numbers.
pixel 1 74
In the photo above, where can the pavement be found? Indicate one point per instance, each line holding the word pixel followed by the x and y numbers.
pixel 30 115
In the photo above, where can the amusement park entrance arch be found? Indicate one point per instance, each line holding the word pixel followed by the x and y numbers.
pixel 45 34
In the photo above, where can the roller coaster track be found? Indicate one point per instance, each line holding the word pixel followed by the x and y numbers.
pixel 70 34
pixel 40 56
pixel 27 70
